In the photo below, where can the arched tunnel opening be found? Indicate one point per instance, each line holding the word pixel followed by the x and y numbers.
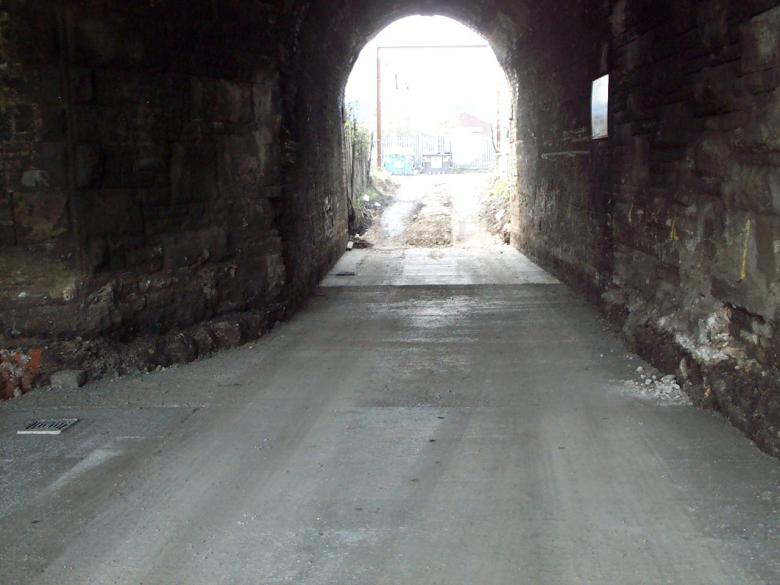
pixel 427 140
pixel 229 395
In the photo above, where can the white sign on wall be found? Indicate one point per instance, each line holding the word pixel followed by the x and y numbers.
pixel 600 107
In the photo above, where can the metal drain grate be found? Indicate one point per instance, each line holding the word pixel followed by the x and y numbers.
pixel 345 273
pixel 47 426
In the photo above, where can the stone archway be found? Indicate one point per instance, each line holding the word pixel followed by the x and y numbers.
pixel 549 57
pixel 170 165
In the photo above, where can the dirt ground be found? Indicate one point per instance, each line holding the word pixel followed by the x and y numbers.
pixel 434 211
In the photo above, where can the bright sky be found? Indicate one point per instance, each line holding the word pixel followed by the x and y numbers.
pixel 434 83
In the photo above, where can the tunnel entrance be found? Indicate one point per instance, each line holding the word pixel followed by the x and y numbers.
pixel 173 175
pixel 427 138
pixel 429 152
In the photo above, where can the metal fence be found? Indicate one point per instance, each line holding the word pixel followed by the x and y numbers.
pixel 481 156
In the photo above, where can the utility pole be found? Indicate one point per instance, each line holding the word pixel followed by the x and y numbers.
pixel 378 109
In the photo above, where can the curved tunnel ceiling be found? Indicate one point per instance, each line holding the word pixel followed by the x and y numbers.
pixel 341 29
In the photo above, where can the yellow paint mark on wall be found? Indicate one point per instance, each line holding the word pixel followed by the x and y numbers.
pixel 631 214
pixel 745 251
pixel 673 236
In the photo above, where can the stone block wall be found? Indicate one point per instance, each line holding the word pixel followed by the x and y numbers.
pixel 695 175
pixel 33 156
pixel 141 166
pixel 315 214
pixel 172 173
pixel 560 201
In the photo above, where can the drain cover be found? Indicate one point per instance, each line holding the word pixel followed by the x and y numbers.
pixel 47 426
pixel 345 273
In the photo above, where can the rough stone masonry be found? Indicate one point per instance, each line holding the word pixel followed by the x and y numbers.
pixel 173 182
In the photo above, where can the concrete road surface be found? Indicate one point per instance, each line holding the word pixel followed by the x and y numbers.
pixel 442 417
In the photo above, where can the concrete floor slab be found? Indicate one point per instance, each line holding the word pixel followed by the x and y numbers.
pixel 436 266
pixel 477 432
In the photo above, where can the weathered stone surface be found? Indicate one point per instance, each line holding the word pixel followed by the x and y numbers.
pixel 40 216
pixel 68 379
pixel 90 166
pixel 180 348
pixel 124 40
pixel 193 172
pixel 760 38
pixel 195 247
pixel 713 179
pixel 204 341
pixel 227 333
pixel 222 101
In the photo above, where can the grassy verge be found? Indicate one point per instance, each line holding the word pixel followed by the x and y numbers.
pixel 495 211
pixel 370 204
